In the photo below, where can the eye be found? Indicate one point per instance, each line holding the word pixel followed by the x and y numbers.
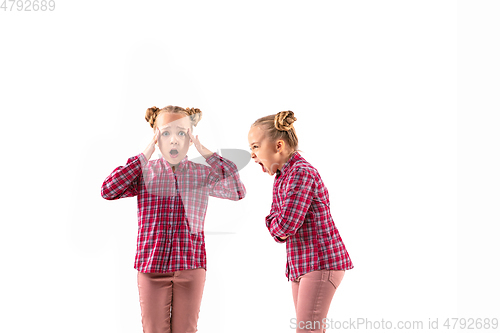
pixel 182 133
pixel 165 133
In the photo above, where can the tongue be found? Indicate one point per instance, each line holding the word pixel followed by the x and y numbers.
pixel 263 170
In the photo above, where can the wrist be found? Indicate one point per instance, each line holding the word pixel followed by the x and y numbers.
pixel 207 153
pixel 147 154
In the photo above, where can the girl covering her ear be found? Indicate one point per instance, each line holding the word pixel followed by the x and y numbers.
pixel 300 216
pixel 172 196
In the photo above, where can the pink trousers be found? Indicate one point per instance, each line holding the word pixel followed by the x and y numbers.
pixel 312 295
pixel 170 303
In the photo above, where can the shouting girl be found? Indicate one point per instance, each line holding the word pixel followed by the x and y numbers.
pixel 300 217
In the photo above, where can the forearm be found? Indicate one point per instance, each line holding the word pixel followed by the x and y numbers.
pixel 206 153
pixel 225 180
pixel 278 232
pixel 120 182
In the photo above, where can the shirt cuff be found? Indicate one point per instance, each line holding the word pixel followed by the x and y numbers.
pixel 143 159
pixel 276 238
pixel 213 158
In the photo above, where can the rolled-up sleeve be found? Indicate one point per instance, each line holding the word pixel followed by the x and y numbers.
pixel 124 180
pixel 224 180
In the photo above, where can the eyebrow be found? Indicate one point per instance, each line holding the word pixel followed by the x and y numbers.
pixel 253 143
pixel 171 126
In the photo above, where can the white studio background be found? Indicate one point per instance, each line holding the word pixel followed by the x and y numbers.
pixel 389 96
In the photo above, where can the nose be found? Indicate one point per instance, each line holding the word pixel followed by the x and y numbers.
pixel 173 139
pixel 253 155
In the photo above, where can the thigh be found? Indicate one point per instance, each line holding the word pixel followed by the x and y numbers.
pixel 155 296
pixel 336 277
pixel 186 302
pixel 315 293
pixel 295 292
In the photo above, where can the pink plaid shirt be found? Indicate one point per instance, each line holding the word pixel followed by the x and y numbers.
pixel 301 210
pixel 172 206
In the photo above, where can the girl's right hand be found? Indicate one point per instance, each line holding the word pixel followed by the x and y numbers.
pixel 151 146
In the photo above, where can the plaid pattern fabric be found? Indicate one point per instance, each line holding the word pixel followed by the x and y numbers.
pixel 172 206
pixel 301 210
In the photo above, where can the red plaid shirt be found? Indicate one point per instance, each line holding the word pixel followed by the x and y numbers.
pixel 301 210
pixel 172 206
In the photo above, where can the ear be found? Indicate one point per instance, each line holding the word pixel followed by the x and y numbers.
pixel 280 145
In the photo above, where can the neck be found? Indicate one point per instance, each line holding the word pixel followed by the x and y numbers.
pixel 173 166
pixel 285 159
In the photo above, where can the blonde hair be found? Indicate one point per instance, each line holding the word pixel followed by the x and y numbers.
pixel 279 126
pixel 193 114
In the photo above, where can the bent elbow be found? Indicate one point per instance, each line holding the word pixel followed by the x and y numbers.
pixel 242 193
pixel 106 194
pixel 240 196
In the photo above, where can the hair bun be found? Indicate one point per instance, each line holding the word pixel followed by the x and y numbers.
pixel 151 115
pixel 194 114
pixel 283 121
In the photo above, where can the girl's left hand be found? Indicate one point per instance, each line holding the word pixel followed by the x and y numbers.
pixel 201 149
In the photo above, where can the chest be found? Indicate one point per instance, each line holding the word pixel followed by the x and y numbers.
pixel 280 189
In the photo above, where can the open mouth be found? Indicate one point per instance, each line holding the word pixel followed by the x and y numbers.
pixel 262 165
pixel 174 153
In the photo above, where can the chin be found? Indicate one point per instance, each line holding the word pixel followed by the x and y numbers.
pixel 171 160
pixel 175 160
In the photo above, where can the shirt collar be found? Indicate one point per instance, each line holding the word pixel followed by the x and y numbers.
pixel 288 164
pixel 181 166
